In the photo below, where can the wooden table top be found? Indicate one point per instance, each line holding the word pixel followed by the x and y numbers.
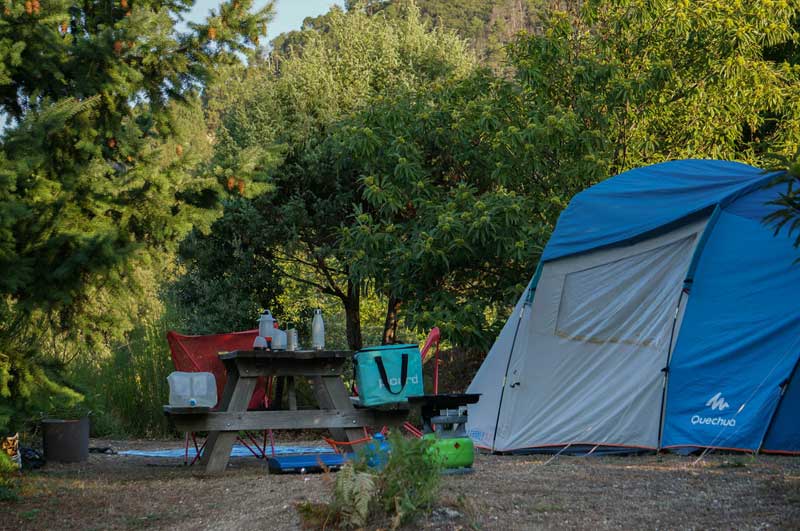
pixel 287 354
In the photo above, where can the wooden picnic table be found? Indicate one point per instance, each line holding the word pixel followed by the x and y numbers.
pixel 324 368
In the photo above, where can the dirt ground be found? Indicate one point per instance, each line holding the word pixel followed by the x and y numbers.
pixel 504 492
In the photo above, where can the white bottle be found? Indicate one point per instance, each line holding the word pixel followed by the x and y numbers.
pixel 318 331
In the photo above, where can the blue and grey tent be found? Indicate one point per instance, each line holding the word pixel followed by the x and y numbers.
pixel 663 314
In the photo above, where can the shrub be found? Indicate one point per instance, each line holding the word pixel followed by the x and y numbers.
pixel 405 488
pixel 9 478
pixel 409 483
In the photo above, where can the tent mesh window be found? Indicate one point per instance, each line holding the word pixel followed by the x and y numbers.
pixel 625 300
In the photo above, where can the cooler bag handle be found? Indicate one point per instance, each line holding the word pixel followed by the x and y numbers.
pixel 385 378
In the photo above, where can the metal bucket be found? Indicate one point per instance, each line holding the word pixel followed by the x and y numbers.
pixel 66 440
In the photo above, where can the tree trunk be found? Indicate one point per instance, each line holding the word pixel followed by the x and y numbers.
pixel 390 325
pixel 352 312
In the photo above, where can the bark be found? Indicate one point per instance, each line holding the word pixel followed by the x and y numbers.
pixel 390 324
pixel 352 312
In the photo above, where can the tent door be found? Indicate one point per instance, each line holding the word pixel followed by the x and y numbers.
pixel 514 382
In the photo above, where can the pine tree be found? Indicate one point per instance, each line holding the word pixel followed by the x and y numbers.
pixel 96 170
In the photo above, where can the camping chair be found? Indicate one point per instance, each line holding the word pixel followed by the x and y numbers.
pixel 200 354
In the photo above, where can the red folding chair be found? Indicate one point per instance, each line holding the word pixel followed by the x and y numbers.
pixel 201 354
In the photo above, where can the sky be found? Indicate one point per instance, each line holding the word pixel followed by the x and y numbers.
pixel 289 14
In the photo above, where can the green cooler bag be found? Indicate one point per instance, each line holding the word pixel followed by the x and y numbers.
pixel 388 374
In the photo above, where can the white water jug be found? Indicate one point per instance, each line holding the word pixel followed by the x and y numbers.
pixel 266 324
pixel 192 389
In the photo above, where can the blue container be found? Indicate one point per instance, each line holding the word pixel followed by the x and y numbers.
pixel 376 452
pixel 388 374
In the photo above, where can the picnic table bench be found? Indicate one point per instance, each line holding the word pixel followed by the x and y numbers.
pixel 323 368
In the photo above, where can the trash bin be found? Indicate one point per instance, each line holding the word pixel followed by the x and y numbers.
pixel 66 441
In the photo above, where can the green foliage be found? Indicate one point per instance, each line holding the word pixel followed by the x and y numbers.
pixel 230 274
pixel 9 478
pixel 432 228
pixel 353 492
pixel 409 483
pixel 647 82
pixel 281 117
pixel 101 165
pixel 127 388
pixel 30 382
pixel 787 212
pixel 487 25
pixel 403 490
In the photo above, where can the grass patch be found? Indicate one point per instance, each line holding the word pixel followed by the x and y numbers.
pixel 467 507
pixel 738 462
pixel 127 390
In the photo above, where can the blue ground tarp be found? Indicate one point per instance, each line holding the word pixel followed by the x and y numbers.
pixel 237 451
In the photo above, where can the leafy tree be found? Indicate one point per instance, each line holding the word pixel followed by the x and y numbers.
pixel 282 116
pixel 787 214
pixel 97 174
pixel 664 81
pixel 433 230
pixel 230 272
pixel 447 178
pixel 440 195
pixel 487 25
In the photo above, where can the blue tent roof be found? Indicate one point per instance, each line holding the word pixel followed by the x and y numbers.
pixel 648 200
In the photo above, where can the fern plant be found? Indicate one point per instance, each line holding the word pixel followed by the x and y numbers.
pixel 353 493
pixel 409 484
pixel 406 487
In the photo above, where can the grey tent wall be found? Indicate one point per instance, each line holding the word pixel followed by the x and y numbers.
pixel 528 303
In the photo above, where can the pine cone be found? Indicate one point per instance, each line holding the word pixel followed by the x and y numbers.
pixel 231 182
pixel 123 4
pixel 29 7
pixel 212 33
pixel 179 150
pixel 117 47
pixel 112 143
pixel 240 185
pixel 64 27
